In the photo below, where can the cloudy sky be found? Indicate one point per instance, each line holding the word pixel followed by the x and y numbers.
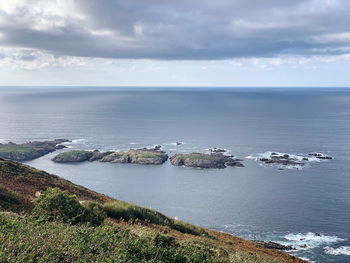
pixel 175 43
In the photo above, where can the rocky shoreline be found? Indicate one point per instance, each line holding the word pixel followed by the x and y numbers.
pixel 153 156
pixel 283 160
pixel 214 158
pixel 202 160
pixel 30 150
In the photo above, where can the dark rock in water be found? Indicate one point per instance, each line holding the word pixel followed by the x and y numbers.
pixel 274 245
pixel 178 143
pixel 201 160
pixel 97 155
pixel 73 157
pixel 321 156
pixel 305 159
pixel 30 150
pixel 284 159
pixel 235 164
pixel 216 150
pixel 138 156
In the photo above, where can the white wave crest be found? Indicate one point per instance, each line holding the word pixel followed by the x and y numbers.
pixel 344 250
pixel 309 240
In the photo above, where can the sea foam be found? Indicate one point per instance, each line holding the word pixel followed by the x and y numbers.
pixel 344 250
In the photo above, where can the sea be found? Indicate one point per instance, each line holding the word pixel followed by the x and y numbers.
pixel 307 207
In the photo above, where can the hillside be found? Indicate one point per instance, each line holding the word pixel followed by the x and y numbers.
pixel 130 233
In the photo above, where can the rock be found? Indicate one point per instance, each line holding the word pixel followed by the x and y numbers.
pixel 273 245
pixel 201 160
pixel 235 164
pixel 138 156
pixel 97 155
pixel 178 143
pixel 321 156
pixel 72 157
pixel 30 150
pixel 116 157
pixel 284 159
pixel 216 150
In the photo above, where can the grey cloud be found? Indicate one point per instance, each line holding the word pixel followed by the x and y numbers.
pixel 182 29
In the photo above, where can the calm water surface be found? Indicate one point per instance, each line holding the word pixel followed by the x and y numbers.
pixel 255 202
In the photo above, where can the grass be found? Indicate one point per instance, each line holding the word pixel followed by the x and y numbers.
pixel 23 239
pixel 143 235
pixel 127 211
pixel 197 157
pixel 148 155
pixel 75 153
pixel 10 148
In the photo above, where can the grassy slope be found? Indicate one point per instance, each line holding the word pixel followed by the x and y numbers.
pixel 134 241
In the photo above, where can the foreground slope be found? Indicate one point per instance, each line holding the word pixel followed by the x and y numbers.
pixel 132 234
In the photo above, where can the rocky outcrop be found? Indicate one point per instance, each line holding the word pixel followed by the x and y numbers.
pixel 138 156
pixel 274 245
pixel 284 159
pixel 321 156
pixel 97 155
pixel 73 157
pixel 201 160
pixel 30 150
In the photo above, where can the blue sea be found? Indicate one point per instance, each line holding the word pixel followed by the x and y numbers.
pixel 308 207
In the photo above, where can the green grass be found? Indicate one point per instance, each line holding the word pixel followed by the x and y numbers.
pixel 24 239
pixel 197 157
pixel 27 240
pixel 9 148
pixel 75 153
pixel 127 211
pixel 148 155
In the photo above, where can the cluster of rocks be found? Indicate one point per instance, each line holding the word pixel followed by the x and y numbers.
pixel 284 159
pixel 30 150
pixel 137 156
pixel 273 245
pixel 292 160
pixel 201 160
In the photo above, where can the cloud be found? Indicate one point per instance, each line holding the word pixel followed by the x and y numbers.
pixel 176 30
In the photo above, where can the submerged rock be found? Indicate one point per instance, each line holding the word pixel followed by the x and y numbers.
pixel 201 160
pixel 30 150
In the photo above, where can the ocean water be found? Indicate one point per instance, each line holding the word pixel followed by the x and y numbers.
pixel 256 202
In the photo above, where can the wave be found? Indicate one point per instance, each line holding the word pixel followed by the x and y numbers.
pixel 344 250
pixel 309 240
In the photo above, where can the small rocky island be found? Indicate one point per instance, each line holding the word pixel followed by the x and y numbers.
pixel 202 160
pixel 30 150
pixel 292 161
pixel 137 156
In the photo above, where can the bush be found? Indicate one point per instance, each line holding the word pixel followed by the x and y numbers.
pixel 58 205
pixel 97 215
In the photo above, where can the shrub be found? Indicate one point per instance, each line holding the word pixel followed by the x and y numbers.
pixel 96 213
pixel 58 205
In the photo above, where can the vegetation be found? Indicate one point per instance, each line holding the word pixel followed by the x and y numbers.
pixel 57 205
pixel 76 153
pixel 148 155
pixel 198 157
pixel 69 224
pixel 10 148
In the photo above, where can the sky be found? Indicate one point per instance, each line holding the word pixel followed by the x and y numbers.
pixel 221 43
